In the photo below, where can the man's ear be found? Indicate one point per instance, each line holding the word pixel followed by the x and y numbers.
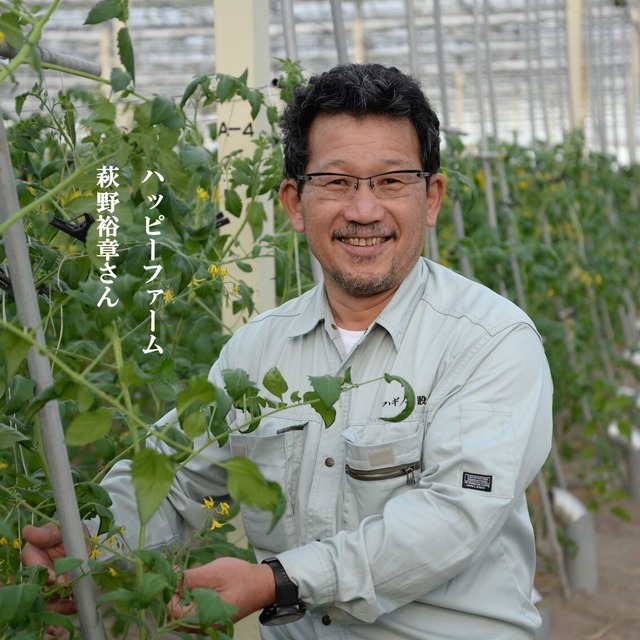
pixel 291 202
pixel 435 195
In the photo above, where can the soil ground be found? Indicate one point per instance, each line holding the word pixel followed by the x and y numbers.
pixel 612 612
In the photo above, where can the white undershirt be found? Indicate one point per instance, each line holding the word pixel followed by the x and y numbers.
pixel 350 338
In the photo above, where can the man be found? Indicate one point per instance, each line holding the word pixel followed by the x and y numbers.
pixel 393 530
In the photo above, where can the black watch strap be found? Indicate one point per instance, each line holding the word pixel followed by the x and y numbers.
pixel 288 606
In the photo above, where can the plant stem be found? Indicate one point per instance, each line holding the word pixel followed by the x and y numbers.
pixel 52 192
pixel 31 42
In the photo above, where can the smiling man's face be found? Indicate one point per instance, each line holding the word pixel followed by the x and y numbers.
pixel 365 244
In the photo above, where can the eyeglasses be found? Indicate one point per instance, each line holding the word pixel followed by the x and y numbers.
pixel 340 186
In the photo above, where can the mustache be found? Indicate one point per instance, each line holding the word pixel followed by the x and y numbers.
pixel 355 230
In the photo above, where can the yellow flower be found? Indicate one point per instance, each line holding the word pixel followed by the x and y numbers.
pixel 111 541
pixel 599 279
pixel 112 572
pixel 196 282
pixel 208 503
pixel 213 270
pixel 223 272
pixel 202 193
pixel 3 542
pixel 236 288
pixel 224 508
pixel 16 544
pixel 95 552
pixel 168 296
pixel 2 36
pixel 4 465
pixel 216 525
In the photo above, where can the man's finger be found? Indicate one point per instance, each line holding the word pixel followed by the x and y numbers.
pixel 49 535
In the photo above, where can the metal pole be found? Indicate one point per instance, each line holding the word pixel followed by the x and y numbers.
pixel 411 21
pixel 633 81
pixel 574 22
pixel 58 59
pixel 289 30
pixel 532 119
pixel 442 72
pixel 49 416
pixel 489 70
pixel 561 78
pixel 339 32
pixel 541 83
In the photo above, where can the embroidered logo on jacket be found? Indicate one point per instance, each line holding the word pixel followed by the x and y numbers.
pixel 476 481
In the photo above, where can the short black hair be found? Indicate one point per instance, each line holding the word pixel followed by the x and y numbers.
pixel 358 90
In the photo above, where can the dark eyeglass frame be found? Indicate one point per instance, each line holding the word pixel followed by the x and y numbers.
pixel 306 177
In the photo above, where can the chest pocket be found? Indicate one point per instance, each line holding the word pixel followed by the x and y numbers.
pixel 277 448
pixel 382 461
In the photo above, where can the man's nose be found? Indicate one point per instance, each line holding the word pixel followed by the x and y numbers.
pixel 364 206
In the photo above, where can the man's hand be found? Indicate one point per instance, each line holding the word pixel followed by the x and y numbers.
pixel 44 545
pixel 248 587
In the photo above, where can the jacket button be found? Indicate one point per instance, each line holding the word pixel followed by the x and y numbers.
pixel 326 620
pixel 329 462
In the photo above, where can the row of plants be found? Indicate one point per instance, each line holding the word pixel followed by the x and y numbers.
pixel 567 225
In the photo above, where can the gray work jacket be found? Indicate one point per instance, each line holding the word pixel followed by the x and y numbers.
pixel 416 529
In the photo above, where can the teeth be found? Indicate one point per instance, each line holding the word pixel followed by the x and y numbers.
pixel 363 242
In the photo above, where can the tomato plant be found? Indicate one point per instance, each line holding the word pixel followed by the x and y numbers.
pixel 568 225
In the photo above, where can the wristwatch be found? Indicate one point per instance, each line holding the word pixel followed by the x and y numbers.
pixel 288 606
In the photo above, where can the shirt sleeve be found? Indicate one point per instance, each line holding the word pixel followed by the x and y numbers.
pixel 487 435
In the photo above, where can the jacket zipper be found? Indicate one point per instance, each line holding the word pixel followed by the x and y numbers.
pixel 387 473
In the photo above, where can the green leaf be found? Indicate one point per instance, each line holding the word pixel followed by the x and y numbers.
pixel 237 383
pixel 152 474
pixel 232 203
pixel 328 389
pixel 21 392
pixel 198 81
pixel 256 216
pixel 328 414
pixel 179 442
pixel 246 484
pixel 10 436
pixel 162 109
pixel 409 396
pixel 226 87
pixel 193 156
pixel 106 10
pixel 194 424
pixel 125 52
pixel 65 565
pixel 10 26
pixel 131 375
pixel 117 595
pixel 149 588
pixel 212 609
pixel 17 602
pixel 275 383
pixel 88 427
pixel 198 393
pixel 120 79
pixel 55 619
pixel 15 349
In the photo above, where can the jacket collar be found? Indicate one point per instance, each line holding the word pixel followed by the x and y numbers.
pixel 394 318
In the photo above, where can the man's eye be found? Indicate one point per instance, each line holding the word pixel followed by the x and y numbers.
pixel 336 182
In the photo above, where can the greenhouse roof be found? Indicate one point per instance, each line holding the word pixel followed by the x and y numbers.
pixel 506 62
